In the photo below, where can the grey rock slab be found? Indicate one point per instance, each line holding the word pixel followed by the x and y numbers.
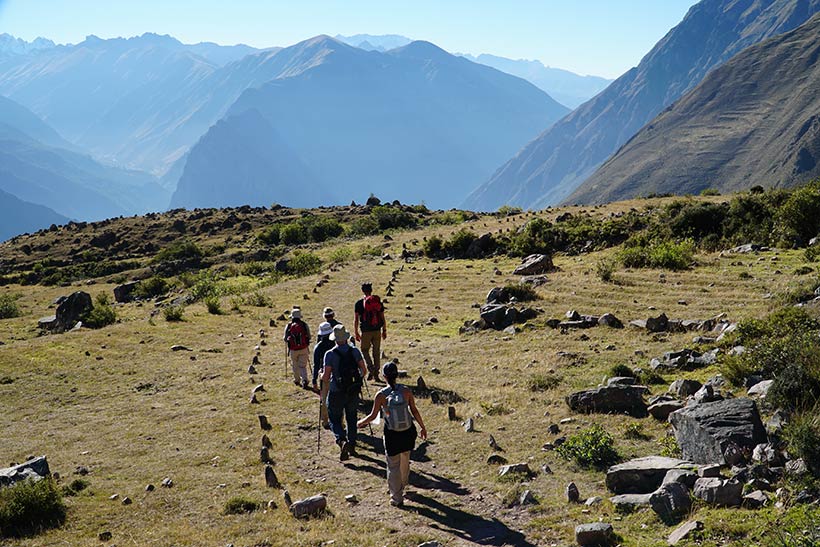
pixel 35 469
pixel 684 531
pixel 609 320
pixel 628 503
pixel 594 534
pixel 755 500
pixel 523 468
pixel 535 264
pixel 684 476
pixel 704 431
pixel 720 492
pixel 615 399
pixel 642 475
pixel 662 409
pixel 760 389
pixel 312 506
pixel 684 388
pixel 671 502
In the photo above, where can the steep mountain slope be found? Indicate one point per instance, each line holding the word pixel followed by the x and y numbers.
pixel 566 87
pixel 34 167
pixel 18 216
pixel 413 124
pixel 552 166
pixel 754 120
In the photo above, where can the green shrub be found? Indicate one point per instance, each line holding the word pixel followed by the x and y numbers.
pixel 635 431
pixel 173 313
pixel 213 305
pixel 180 250
pixel 238 505
pixel 664 254
pixel 621 371
pixel 8 306
pixel 590 447
pixel 799 526
pixel 75 487
pixel 151 287
pixel 605 269
pixel 508 210
pixel 709 192
pixel 812 253
pixel 304 263
pixel 293 234
pixel 543 382
pixel 270 235
pixel 389 217
pixel 101 315
pixel 433 247
pixel 538 236
pixel 450 217
pixel 803 437
pixel 799 217
pixel 794 386
pixel 669 447
pixel 30 507
pixel 340 255
pixel 691 219
pixel 648 377
pixel 459 243
pixel 521 292
pixel 257 299
pixel 364 226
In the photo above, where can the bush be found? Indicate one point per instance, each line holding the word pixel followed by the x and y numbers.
pixel 543 382
pixel 590 447
pixel 257 299
pixel 665 254
pixel 75 487
pixel 213 305
pixel 151 287
pixel 803 437
pixel 364 226
pixel 508 210
pixel 794 386
pixel 270 235
pixel 691 219
pixel 459 243
pixel 388 217
pixel 101 315
pixel 173 313
pixel 621 371
pixel 521 292
pixel 180 250
pixel 8 306
pixel 636 432
pixel 30 507
pixel 605 269
pixel 304 263
pixel 433 247
pixel 538 236
pixel 709 192
pixel 799 216
pixel 669 447
pixel 239 505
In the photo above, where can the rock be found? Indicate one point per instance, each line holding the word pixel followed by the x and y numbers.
pixel 671 502
pixel 704 431
pixel 421 384
pixel 68 313
pixel 34 469
pixel 515 468
pixel 104 536
pixel 527 498
pixel 494 444
pixel 451 413
pixel 642 475
pixel 127 501
pixel 545 469
pixel 657 324
pixel 494 315
pixel 592 501
pixel 498 295
pixel 755 500
pixel 535 264
pixel 595 534
pixel 685 359
pixel 553 429
pixel 706 394
pixel 683 476
pixel 720 492
pixel 609 320
pixel 777 422
pixel 264 455
pixel 621 381
pixel 123 293
pixel 572 493
pixel 167 483
pixel 572 315
pixel 352 499
pixel 684 531
pixel 251 369
pixel 286 498
pixel 179 347
pixel 308 507
pixel 760 389
pixel 266 442
pixel 496 459
pixel 629 503
pixel 768 454
pixel 797 468
pixel 709 471
pixel 683 388
pixel 661 410
pixel 264 423
pixel 430 544
pixel 271 480
pixel 615 399
pixel 149 487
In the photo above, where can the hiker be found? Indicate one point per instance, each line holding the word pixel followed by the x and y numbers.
pixel 323 345
pixel 368 320
pixel 330 317
pixel 342 374
pixel 297 337
pixel 398 406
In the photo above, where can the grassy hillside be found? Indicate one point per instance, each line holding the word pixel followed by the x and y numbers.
pixel 121 403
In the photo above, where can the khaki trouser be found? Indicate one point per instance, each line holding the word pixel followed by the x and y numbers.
pixel 372 339
pixel 398 475
pixel 299 360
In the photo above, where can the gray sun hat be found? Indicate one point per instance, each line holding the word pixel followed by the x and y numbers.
pixel 325 329
pixel 340 334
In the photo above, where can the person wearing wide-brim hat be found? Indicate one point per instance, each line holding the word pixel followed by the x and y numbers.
pixel 330 316
pixel 343 373
pixel 297 338
pixel 323 345
pixel 397 404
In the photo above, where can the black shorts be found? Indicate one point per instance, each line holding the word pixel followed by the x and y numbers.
pixel 396 442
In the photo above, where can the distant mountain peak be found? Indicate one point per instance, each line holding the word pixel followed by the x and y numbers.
pixel 421 49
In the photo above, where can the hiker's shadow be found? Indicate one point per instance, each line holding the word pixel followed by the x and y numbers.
pixel 467 526
pixel 420 453
pixel 377 467
pixel 431 481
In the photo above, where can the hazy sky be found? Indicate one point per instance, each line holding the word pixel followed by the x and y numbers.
pixel 601 37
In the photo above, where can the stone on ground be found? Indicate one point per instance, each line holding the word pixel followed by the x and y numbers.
pixel 308 507
pixel 34 469
pixel 671 502
pixel 684 531
pixel 642 475
pixel 615 399
pixel 594 534
pixel 720 492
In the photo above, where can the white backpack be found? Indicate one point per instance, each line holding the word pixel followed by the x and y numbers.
pixel 397 414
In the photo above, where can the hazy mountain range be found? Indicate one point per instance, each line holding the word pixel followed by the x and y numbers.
pixel 754 120
pixel 414 123
pixel 552 166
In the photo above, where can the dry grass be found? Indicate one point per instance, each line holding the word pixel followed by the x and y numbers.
pixel 134 412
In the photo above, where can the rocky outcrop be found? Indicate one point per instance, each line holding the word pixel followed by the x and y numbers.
pixel 705 431
pixel 642 475
pixel 35 469
pixel 70 310
pixel 535 264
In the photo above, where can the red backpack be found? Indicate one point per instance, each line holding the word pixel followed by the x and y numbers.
pixel 297 336
pixel 372 311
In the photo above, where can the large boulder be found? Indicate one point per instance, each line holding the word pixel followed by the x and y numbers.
pixel 705 431
pixel 71 310
pixel 124 292
pixel 642 475
pixel 35 469
pixel 494 315
pixel 597 534
pixel 671 502
pixel 614 399
pixel 629 503
pixel 535 264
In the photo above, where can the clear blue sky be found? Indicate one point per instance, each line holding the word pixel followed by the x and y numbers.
pixel 601 37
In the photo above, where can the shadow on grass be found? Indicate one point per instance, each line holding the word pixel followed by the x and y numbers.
pixel 467 526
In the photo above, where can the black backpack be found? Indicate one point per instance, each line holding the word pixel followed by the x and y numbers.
pixel 348 378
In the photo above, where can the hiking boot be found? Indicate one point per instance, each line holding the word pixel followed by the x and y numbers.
pixel 344 455
pixel 296 382
pixel 326 425
pixel 351 449
pixel 398 504
pixel 304 383
pixel 369 376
